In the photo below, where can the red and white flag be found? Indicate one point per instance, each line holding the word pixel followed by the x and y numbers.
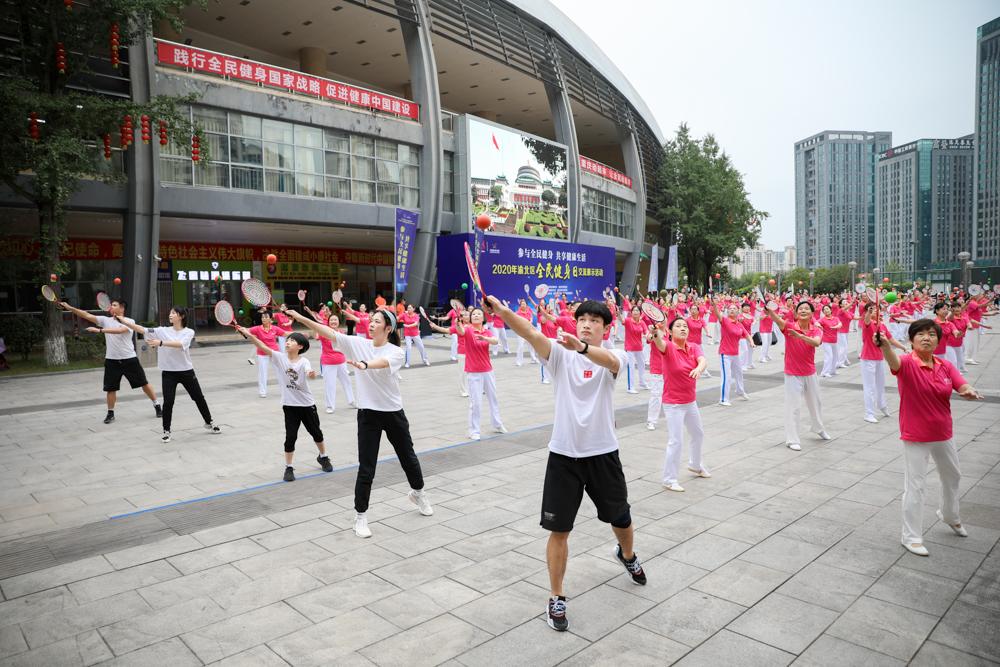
pixel 496 144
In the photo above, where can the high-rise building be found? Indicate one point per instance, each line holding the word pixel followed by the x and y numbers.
pixel 835 197
pixel 761 260
pixel 987 166
pixel 923 210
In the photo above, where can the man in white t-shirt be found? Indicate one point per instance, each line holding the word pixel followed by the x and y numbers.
pixel 583 449
pixel 119 356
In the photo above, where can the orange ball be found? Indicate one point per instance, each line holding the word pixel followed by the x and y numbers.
pixel 483 221
pixel 772 282
pixel 53 278
pixel 272 259
pixel 118 281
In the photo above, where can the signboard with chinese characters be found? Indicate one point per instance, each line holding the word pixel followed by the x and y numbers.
pixel 189 270
pixel 965 143
pixel 509 264
pixel 406 232
pixel 249 71
pixel 604 171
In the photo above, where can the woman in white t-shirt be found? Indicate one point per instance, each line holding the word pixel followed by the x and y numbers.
pixel 380 408
pixel 174 361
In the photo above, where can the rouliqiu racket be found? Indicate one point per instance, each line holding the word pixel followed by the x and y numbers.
pixel 473 272
pixel 302 295
pixel 256 292
pixel 541 291
pixel 103 301
pixel 860 288
pixel 996 288
pixel 423 313
pixel 975 290
pixel 527 290
pixel 456 305
pixel 225 315
pixel 772 305
pixel 48 293
pixel 653 312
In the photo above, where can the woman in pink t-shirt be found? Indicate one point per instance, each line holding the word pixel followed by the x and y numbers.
pixel 411 332
pixel 873 364
pixel 361 317
pixel 463 316
pixel 523 311
pixel 333 367
pixel 268 334
pixel 845 313
pixel 942 317
pixel 925 426
pixel 479 371
pixel 802 338
pixel 654 407
pixel 547 322
pixel 682 363
pixel 696 326
pixel 831 325
pixel 955 345
pixel 635 330
pixel 729 350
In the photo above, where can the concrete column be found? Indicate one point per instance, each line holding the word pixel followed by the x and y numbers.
pixel 426 93
pixel 633 169
pixel 312 60
pixel 562 118
pixel 141 226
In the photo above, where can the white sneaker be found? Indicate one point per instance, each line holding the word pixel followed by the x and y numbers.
pixel 917 549
pixel 795 447
pixel 500 429
pixel 426 362
pixel 518 363
pixel 823 435
pixel 725 404
pixel 361 528
pixel 165 438
pixel 871 419
pixel 745 397
pixel 546 381
pixel 700 473
pixel 972 361
pixel 885 412
pixel 263 395
pixel 465 394
pixel 454 358
pixel 406 365
pixel 958 528
pixel 674 486
pixel 631 391
pixel 706 374
pixel 329 411
pixel 474 436
pixel 419 498
pixel 650 426
pixel 213 428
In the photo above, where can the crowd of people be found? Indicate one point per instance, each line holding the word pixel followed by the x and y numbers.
pixel 923 339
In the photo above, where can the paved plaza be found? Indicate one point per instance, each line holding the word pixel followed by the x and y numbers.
pixel 117 549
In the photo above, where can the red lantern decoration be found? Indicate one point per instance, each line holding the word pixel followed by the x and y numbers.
pixel 144 127
pixel 272 259
pixel 69 5
pixel 33 126
pixel 60 57
pixel 163 133
pixel 107 146
pixel 483 222
pixel 885 280
pixel 53 278
pixel 772 282
pixel 115 41
pixel 195 148
pixel 718 275
pixel 118 281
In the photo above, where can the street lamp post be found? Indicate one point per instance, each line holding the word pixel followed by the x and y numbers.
pixel 963 258
pixel 812 274
pixel 853 265
pixel 968 273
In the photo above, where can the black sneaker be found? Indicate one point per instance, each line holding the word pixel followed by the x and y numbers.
pixel 633 567
pixel 556 610
pixel 159 410
pixel 324 462
pixel 289 474
pixel 110 418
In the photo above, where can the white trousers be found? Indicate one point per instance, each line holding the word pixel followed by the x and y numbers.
pixel 680 417
pixel 521 344
pixel 263 364
pixel 410 342
pixel 501 335
pixel 636 371
pixel 830 353
pixel 454 346
pixel 841 349
pixel 478 384
pixel 333 373
pixel 805 387
pixel 463 381
pixel 609 343
pixel 873 383
pixel 746 353
pixel 951 354
pixel 655 408
pixel 959 354
pixel 972 342
pixel 765 343
pixel 915 457
pixel 732 377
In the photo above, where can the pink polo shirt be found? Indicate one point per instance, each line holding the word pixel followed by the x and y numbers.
pixel 695 327
pixel 268 336
pixel 869 352
pixel 678 386
pixel 925 398
pixel 947 329
pixel 634 331
pixel 567 323
pixel 831 327
pixel 477 352
pixel 731 334
pixel 362 326
pixel 959 325
pixel 549 328
pixel 330 356
pixel 461 341
pixel 800 357
pixel 973 311
pixel 845 316
pixel 655 359
pixel 411 325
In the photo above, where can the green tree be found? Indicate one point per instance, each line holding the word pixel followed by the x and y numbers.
pixel 548 197
pixel 496 192
pixel 701 196
pixel 56 127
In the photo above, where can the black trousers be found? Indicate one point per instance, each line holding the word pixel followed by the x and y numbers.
pixel 187 378
pixel 371 423
pixel 300 414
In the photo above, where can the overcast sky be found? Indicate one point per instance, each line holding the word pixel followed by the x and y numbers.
pixel 762 74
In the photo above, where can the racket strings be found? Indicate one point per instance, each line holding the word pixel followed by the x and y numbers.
pixel 224 313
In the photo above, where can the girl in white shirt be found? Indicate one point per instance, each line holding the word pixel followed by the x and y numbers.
pixel 174 362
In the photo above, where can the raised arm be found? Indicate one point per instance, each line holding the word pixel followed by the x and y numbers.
pixel 522 328
pixel 597 354
pixel 322 329
pixel 773 314
pixel 131 325
pixel 256 341
pixel 79 313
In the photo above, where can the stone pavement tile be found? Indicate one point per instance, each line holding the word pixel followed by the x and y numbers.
pixel 883 627
pixel 146 553
pixel 747 528
pixel 945 561
pixel 414 571
pixel 809 494
pixel 829 650
pixel 782 553
pixel 422 603
pixel 917 590
pixel 602 610
pixel 234 531
pixel 583 572
pixel 106 585
pixel 975 514
pixel 171 652
pixel 285 583
pixel 51 577
pixel 751 492
pixel 932 654
pixel 297 555
pixel 983 589
pixel 503 570
pixel 533 643
pixel 31 525
pixel 490 543
pixel 841 479
pixel 630 645
pixel 412 544
pixel 335 599
pixel 665 577
pixel 188 587
pixel 719 508
pixel 220 554
pixel 654 507
pixel 11 641
pixel 482 520
pixel 37 604
pixel 784 622
pixel 862 556
pixel 258 656
pixel 62 624
pixel 690 617
pixel 871 494
pixel 439 639
pixel 707 551
pixel 680 526
pixel 145 629
pixel 845 511
pixel 506 608
pixel 780 509
pixel 295 533
pixel 816 530
pixel 344 541
pixel 971 629
pixel 827 586
pixel 330 642
pixel 741 582
pixel 729 648
pixel 406 522
pixel 305 513
pixel 228 637
pixel 38 508
pixel 82 650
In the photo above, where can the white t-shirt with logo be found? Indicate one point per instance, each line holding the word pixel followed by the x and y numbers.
pixel 172 358
pixel 378 388
pixel 293 376
pixel 584 423
pixel 119 345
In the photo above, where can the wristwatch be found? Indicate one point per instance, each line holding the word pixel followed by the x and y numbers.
pixel 586 346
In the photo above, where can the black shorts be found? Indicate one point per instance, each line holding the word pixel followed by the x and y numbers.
pixel 567 478
pixel 114 369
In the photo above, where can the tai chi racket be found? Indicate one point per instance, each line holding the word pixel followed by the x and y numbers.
pixel 772 305
pixel 653 312
pixel 477 285
pixel 225 315
pixel 541 291
pixel 103 301
pixel 257 293
pixel 302 296
pixel 48 293
pixel 423 313
pixel 457 306
pixel 974 290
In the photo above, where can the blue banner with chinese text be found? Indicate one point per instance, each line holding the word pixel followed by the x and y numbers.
pixel 406 232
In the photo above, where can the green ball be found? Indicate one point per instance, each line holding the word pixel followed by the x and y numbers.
pixel 891 297
pixel 329 304
pixel 465 285
pixel 240 311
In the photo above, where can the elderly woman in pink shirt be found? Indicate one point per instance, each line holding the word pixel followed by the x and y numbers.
pixel 925 426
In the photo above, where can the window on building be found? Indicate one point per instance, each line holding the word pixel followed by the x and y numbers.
pixel 607 214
